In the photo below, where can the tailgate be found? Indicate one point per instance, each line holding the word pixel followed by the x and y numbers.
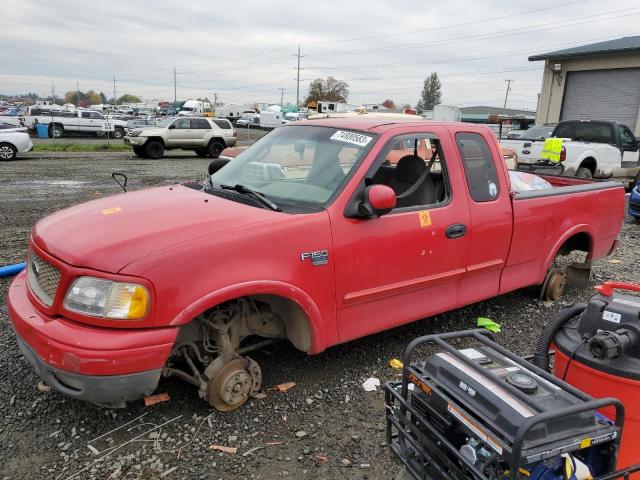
pixel 544 219
pixel 530 151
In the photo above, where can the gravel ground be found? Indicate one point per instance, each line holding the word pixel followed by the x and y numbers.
pixel 326 426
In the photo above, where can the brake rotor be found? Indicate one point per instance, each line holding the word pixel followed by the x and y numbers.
pixel 232 385
pixel 555 286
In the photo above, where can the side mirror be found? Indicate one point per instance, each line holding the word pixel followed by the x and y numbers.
pixel 378 200
pixel 171 127
pixel 216 164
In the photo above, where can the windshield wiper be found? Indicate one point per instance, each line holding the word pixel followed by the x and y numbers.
pixel 257 195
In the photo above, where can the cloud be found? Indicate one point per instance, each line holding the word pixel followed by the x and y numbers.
pixel 245 51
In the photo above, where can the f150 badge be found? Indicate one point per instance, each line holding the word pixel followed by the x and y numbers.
pixel 319 257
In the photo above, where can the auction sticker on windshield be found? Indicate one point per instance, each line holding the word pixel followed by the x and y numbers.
pixel 351 137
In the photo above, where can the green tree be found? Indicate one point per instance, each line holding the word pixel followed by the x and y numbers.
pixel 128 98
pixel 431 93
pixel 103 98
pixel 328 89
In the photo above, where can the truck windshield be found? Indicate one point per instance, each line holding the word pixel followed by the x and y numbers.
pixel 300 165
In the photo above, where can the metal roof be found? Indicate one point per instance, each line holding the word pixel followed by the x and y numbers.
pixel 619 45
pixel 485 110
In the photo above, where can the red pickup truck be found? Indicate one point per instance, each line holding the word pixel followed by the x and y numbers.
pixel 312 234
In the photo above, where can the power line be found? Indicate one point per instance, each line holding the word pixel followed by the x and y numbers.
pixel 483 36
pixel 446 27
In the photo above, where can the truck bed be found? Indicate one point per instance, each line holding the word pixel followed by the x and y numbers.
pixel 586 212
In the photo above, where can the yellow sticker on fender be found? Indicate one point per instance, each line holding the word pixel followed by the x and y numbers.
pixel 109 211
pixel 586 442
pixel 425 218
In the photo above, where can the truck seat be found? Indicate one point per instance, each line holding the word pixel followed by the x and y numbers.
pixel 408 171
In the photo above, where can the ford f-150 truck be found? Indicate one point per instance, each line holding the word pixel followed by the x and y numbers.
pixel 592 149
pixel 310 235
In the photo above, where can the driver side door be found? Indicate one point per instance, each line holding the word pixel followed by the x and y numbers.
pixel 180 133
pixel 407 264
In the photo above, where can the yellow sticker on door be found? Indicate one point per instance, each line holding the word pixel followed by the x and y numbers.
pixel 109 211
pixel 425 218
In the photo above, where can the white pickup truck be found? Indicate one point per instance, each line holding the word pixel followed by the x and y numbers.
pixel 591 149
pixel 74 121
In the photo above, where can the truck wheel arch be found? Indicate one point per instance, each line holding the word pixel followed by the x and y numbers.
pixel 590 163
pixel 303 323
pixel 577 238
pixel 157 139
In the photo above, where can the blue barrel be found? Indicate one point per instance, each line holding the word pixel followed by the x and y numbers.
pixel 42 130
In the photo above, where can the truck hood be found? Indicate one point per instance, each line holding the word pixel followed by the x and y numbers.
pixel 151 132
pixel 110 233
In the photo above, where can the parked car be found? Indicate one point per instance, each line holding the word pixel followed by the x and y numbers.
pixel 591 149
pixel 538 132
pixel 61 122
pixel 206 136
pixel 140 123
pixel 634 202
pixel 522 143
pixel 253 119
pixel 514 134
pixel 12 127
pixel 308 235
pixel 13 141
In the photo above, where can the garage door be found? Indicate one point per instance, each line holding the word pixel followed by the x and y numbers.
pixel 603 95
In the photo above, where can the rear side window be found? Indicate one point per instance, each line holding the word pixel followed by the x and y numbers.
pixel 200 124
pixel 479 167
pixel 585 132
pixel 223 124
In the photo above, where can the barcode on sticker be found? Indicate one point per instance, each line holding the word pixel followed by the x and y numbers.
pixel 351 137
pixel 611 316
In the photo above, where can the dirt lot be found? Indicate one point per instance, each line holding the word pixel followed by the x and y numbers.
pixel 326 426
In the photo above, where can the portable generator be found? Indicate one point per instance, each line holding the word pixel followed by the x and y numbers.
pixel 484 413
pixel 597 349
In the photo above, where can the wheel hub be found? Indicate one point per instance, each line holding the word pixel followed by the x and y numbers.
pixel 233 384
pixel 5 152
pixel 555 286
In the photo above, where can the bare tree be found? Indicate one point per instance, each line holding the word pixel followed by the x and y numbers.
pixel 388 103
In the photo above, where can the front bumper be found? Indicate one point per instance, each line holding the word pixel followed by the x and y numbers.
pixel 113 391
pixel 135 141
pixel 107 366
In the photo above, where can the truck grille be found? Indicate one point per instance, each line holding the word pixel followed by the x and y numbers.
pixel 43 278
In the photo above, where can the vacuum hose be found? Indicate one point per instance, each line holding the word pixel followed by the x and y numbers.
pixel 10 270
pixel 541 355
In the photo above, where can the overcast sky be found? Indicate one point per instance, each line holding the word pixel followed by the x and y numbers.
pixel 246 51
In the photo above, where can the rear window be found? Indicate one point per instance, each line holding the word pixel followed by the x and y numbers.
pixel 226 124
pixel 596 132
pixel 479 168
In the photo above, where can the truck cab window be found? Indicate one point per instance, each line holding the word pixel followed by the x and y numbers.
pixel 479 168
pixel 627 140
pixel 413 167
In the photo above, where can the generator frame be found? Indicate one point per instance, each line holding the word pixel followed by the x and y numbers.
pixel 410 425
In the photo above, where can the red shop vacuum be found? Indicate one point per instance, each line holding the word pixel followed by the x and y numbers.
pixel 597 350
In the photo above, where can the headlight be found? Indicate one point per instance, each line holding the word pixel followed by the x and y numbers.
pixel 107 299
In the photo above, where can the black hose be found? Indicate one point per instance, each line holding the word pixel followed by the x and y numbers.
pixel 541 355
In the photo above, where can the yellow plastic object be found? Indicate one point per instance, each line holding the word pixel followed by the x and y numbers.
pixel 395 363
pixel 552 149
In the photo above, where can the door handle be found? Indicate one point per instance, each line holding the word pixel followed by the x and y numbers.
pixel 456 230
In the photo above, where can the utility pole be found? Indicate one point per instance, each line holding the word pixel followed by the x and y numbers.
pixel 506 95
pixel 298 80
pixel 53 92
pixel 175 85
pixel 281 96
pixel 114 91
pixel 215 99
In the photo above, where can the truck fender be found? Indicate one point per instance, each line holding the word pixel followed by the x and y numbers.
pixel 262 287
pixel 575 230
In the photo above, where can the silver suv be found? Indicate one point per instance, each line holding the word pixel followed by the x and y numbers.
pixel 208 137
